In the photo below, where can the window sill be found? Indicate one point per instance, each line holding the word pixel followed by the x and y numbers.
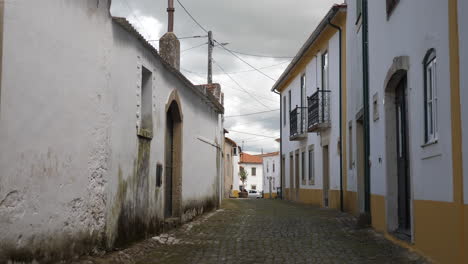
pixel 430 143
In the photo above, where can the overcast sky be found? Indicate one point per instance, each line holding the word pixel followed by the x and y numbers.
pixel 276 28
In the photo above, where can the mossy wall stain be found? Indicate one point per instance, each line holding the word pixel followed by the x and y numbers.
pixel 131 211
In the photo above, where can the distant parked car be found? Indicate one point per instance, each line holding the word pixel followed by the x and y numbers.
pixel 255 194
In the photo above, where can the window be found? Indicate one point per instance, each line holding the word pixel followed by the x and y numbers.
pixel 391 4
pixel 350 144
pixel 284 111
pixel 289 103
pixel 303 163
pixel 273 166
pixel 358 9
pixel 267 165
pixel 325 71
pixel 430 96
pixel 159 169
pixel 253 187
pixel 234 151
pixel 146 100
pixel 303 102
pixel 254 171
pixel 311 167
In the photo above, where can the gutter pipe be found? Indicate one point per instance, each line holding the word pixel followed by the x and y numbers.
pixel 365 71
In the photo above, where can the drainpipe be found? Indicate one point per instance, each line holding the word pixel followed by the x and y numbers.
pixel 281 143
pixel 341 114
pixel 365 72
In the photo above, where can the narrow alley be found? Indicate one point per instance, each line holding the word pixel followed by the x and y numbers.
pixel 265 231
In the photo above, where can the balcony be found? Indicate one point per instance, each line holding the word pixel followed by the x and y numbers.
pixel 318 111
pixel 297 123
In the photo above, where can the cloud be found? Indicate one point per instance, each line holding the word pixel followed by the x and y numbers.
pixel 266 27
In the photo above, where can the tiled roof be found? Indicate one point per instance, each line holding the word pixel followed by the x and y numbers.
pixel 247 158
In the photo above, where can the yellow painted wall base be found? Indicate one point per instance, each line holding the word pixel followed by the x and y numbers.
pixel 465 228
pixel 334 199
pixel 378 213
pixel 309 196
pixel 351 203
pixel 286 194
pixel 268 196
pixel 437 230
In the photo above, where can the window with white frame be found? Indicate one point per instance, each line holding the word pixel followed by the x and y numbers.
pixel 430 96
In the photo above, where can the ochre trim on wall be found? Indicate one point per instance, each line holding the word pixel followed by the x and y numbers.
pixel 378 213
pixel 311 196
pixel 455 109
pixel 437 230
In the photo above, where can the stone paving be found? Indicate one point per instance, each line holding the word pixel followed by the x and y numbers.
pixel 265 231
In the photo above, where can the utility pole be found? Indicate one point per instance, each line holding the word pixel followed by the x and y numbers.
pixel 210 57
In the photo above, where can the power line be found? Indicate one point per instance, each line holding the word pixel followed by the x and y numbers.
pixel 222 46
pixel 194 47
pixel 189 37
pixel 251 134
pixel 190 15
pixel 250 65
pixel 258 55
pixel 240 86
pixel 243 71
pixel 250 114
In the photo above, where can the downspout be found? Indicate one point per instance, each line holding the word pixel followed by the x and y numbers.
pixel 341 114
pixel 281 144
pixel 365 72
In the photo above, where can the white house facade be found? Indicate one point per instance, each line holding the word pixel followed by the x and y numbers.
pixel 252 164
pixel 415 169
pixel 97 133
pixel 271 175
pixel 310 116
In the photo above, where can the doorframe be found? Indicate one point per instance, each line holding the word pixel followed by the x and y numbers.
pixel 396 73
pixel 177 159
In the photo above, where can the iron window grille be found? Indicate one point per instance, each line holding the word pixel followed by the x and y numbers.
pixel 319 110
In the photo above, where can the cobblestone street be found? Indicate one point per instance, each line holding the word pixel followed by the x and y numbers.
pixel 265 231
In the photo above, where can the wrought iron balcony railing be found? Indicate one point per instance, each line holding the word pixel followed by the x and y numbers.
pixel 298 123
pixel 318 111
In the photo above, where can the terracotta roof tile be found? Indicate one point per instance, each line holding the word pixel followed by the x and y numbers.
pixel 247 158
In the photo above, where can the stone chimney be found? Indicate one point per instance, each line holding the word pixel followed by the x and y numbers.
pixel 169 45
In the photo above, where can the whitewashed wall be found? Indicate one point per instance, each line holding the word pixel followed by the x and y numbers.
pixel 313 81
pixel 354 89
pixel 257 180
pixel 276 180
pixel 68 118
pixel 430 167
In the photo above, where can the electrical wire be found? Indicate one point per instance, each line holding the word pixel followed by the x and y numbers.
pixel 250 65
pixel 247 133
pixel 258 55
pixel 240 86
pixel 194 47
pixel 250 114
pixel 190 15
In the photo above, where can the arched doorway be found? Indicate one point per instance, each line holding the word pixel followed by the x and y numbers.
pixel 173 156
pixel 397 150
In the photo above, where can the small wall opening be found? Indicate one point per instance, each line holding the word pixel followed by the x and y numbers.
pixel 146 100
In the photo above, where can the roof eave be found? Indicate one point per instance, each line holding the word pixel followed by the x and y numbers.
pixel 310 41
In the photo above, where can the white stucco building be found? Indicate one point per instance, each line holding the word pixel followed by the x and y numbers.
pixel 416 122
pixel 253 165
pixel 310 116
pixel 271 175
pixel 97 131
